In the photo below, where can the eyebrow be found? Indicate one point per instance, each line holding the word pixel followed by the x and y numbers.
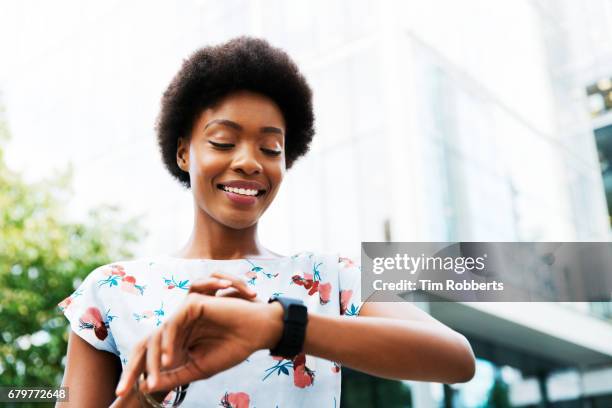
pixel 236 126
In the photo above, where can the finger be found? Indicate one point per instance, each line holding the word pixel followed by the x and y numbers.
pixel 182 375
pixel 130 399
pixel 237 283
pixel 152 358
pixel 234 293
pixel 170 341
pixel 176 327
pixel 209 286
pixel 133 369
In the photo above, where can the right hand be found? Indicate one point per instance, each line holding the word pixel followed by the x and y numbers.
pixel 217 284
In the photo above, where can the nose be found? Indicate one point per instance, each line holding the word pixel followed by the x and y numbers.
pixel 245 160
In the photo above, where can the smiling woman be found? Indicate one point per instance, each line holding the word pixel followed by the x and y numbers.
pixel 233 120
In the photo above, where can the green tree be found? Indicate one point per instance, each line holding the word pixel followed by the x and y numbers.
pixel 43 258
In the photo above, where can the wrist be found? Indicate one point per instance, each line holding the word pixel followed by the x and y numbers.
pixel 272 325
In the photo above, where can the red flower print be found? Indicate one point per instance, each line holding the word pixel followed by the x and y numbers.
pixel 114 270
pixel 182 284
pixel 300 359
pixel 63 305
pixel 92 319
pixel 298 280
pixel 335 367
pixel 346 261
pixel 312 283
pixel 313 288
pixel 302 376
pixel 324 292
pixel 345 297
pixel 128 284
pixel 236 400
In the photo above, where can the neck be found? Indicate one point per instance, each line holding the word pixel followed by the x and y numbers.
pixel 212 240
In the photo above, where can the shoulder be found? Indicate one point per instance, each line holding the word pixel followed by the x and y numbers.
pixel 119 268
pixel 338 259
pixel 125 274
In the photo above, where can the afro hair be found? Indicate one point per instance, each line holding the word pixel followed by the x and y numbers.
pixel 212 72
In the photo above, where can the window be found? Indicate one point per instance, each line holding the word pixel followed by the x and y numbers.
pixel 603 138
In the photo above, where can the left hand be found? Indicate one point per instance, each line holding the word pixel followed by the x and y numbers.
pixel 207 335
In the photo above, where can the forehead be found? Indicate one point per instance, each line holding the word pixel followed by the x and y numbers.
pixel 249 109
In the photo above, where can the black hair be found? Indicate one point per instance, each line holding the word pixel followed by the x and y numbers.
pixel 212 72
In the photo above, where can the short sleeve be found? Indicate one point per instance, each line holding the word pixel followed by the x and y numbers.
pixel 89 316
pixel 349 286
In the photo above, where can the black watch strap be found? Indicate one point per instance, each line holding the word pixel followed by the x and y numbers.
pixel 295 319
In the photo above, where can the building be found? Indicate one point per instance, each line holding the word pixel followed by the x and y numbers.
pixel 436 121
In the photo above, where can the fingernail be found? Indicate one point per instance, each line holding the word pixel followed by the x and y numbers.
pixel 119 388
pixel 165 359
pixel 225 282
pixel 150 382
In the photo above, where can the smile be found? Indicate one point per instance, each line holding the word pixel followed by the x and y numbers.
pixel 241 191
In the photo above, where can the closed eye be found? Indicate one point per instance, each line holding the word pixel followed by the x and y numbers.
pixel 271 152
pixel 221 145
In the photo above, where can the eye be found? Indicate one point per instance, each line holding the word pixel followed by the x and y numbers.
pixel 271 152
pixel 221 145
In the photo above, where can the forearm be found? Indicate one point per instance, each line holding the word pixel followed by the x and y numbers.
pixel 389 347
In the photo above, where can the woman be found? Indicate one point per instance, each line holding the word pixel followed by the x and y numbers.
pixel 233 120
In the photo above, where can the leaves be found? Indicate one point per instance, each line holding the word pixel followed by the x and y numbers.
pixel 279 367
pixel 352 311
pixel 43 257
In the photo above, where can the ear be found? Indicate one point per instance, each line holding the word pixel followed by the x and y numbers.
pixel 182 154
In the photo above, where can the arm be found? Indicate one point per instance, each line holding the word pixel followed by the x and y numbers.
pixel 396 340
pixel 217 334
pixel 90 375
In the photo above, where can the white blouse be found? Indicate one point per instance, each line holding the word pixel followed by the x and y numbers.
pixel 121 303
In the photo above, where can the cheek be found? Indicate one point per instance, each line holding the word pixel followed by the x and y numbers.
pixel 276 177
pixel 276 172
pixel 205 168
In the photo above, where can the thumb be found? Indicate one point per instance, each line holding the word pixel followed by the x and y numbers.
pixel 209 286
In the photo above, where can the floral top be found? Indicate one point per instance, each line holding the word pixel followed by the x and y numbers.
pixel 120 303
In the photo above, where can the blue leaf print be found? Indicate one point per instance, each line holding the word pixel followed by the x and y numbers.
pixel 352 311
pixel 280 367
pixel 171 283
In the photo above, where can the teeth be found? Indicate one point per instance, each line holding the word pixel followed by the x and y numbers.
pixel 243 191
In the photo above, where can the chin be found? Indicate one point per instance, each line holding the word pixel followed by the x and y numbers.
pixel 237 222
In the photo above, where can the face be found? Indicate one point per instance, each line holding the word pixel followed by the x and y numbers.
pixel 236 158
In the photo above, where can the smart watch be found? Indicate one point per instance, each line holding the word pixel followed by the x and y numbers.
pixel 295 320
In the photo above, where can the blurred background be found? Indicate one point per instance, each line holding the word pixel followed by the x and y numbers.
pixel 436 121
